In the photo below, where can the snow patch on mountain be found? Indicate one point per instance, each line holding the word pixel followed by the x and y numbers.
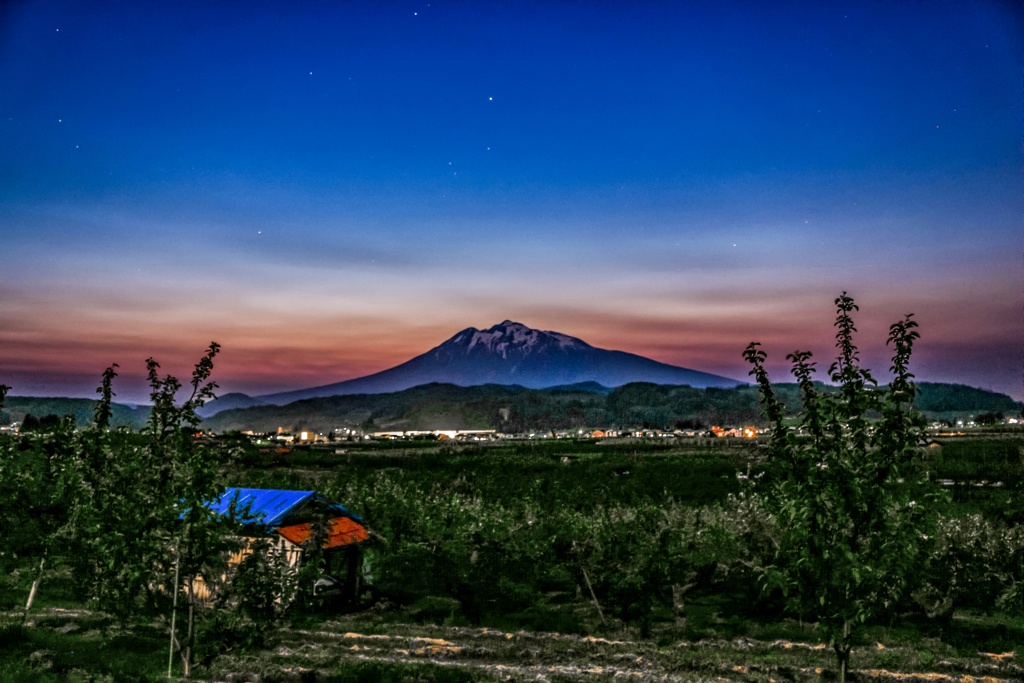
pixel 508 336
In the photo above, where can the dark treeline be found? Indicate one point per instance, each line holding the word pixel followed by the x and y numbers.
pixel 18 408
pixel 516 409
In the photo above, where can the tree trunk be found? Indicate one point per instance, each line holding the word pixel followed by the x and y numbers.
pixel 679 602
pixel 174 614
pixel 593 597
pixel 35 587
pixel 842 648
pixel 190 639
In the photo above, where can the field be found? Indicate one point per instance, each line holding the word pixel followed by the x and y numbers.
pixel 559 560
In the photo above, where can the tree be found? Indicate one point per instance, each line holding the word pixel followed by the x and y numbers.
pixel 847 489
pixel 634 558
pixel 970 562
pixel 5 418
pixel 32 507
pixel 132 504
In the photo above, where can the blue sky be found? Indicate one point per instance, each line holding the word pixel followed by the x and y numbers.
pixel 327 190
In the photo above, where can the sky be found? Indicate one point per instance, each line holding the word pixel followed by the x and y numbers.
pixel 327 189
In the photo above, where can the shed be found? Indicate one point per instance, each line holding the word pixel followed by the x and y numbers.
pixel 287 517
pixel 290 514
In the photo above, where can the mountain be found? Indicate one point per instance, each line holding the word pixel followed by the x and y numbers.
pixel 508 353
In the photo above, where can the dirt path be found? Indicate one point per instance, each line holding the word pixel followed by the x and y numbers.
pixel 488 654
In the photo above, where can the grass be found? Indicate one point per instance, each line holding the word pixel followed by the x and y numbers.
pixel 80 651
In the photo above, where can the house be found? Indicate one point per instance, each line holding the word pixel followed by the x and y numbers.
pixel 287 519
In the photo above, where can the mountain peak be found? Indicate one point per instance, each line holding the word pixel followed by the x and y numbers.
pixel 509 337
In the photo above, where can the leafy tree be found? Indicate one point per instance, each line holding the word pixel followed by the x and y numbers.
pixel 132 504
pixel 633 558
pixel 263 584
pixel 314 558
pixel 623 554
pixel 447 539
pixel 32 499
pixel 848 491
pixel 747 537
pixel 971 562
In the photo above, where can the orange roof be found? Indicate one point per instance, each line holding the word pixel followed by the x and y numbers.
pixel 344 531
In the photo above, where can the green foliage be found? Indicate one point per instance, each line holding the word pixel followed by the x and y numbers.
pixel 46 423
pixel 971 562
pixel 314 561
pixel 103 411
pixel 460 527
pixel 125 494
pixel 985 476
pixel 446 540
pixel 850 495
pixel 635 558
pixel 33 497
pixel 262 585
pixel 123 511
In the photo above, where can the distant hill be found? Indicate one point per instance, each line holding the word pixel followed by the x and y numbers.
pixel 952 398
pixel 231 401
pixel 512 407
pixel 518 409
pixel 17 407
pixel 508 354
pixel 429 406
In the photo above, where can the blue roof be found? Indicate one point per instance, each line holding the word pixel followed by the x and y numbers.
pixel 271 506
